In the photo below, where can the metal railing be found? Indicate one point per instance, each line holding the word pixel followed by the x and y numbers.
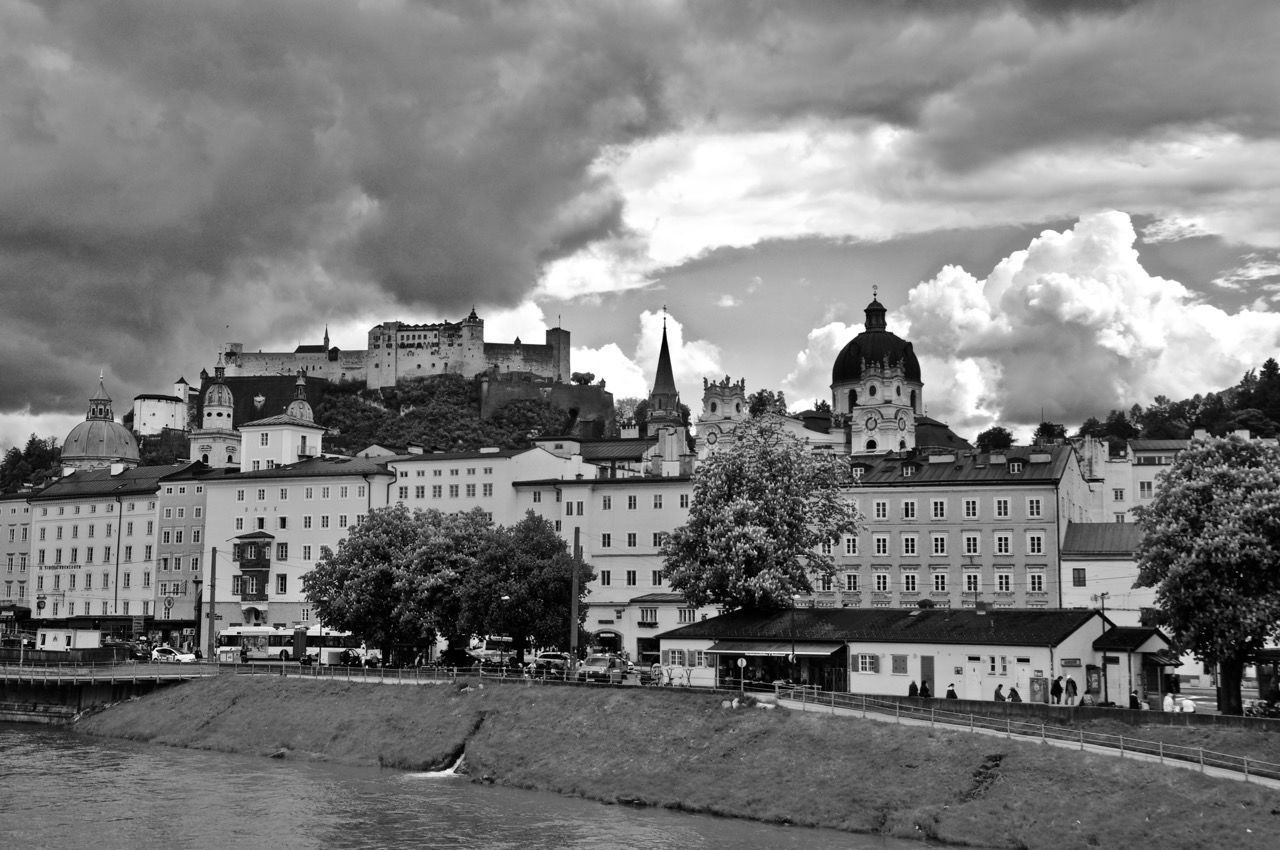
pixel 931 712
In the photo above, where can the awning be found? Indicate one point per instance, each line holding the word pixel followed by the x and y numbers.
pixel 779 649
pixel 1160 659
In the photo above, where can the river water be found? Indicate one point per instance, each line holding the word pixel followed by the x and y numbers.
pixel 59 790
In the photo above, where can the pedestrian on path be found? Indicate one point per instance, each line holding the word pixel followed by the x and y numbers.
pixel 925 693
pixel 951 692
pixel 913 690
pixel 1056 691
pixel 999 693
pixel 1168 704
pixel 1133 700
pixel 1069 691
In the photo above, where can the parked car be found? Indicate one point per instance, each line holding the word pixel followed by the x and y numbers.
pixel 133 651
pixel 603 668
pixel 554 664
pixel 171 655
pixel 355 658
pixel 457 657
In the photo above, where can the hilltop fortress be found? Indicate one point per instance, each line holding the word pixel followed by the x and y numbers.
pixel 400 350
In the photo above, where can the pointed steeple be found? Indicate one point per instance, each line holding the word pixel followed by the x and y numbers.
pixel 326 337
pixel 100 402
pixel 664 400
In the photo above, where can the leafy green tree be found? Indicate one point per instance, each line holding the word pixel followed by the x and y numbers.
pixel 995 439
pixel 391 580
pixel 521 585
pixel 761 402
pixel 761 509
pixel 821 405
pixel 37 463
pixel 1049 433
pixel 1211 548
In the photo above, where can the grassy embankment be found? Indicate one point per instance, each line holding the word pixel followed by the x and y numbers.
pixel 684 751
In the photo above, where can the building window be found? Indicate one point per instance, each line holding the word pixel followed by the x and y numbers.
pixel 881 510
pixel 606 540
pixel 404 492
pixel 1144 490
pixel 684 500
pixel 851 582
pixel 453 491
pixel 1117 495
pixel 657 501
pixel 939 544
pixel 437 491
pixel 882 582
pixel 1002 508
pixel 868 664
pixel 851 545
pixel 939 509
pixel 1003 544
pixel 282 551
pixel 631 540
pixel 971 582
pixel 971 545
pixel 655 578
pixel 824 584
pixel 1035 544
pixel 1035 582
pixel 264 439
pixel 471 491
pixel 282 582
pixel 909 509
pixel 882 544
pixel 687 615
pixel 1004 581
pixel 908 544
pixel 658 538
pixel 1033 507
pixel 909 582
pixel 631 578
pixel 649 615
pixel 1119 517
pixel 970 508
pixel 306 552
pixel 128 578
pixel 1077 577
pixel 606 578
pixel 631 503
pixel 537 496
pixel 486 490
pixel 940 582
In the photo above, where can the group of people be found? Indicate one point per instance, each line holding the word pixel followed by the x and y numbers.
pixel 922 691
pixel 1012 696
pixel 1063 693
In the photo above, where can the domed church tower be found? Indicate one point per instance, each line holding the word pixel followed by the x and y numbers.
pixel 876 387
pixel 99 441
pixel 216 442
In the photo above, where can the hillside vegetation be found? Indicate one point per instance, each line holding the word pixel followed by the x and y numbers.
pixel 684 751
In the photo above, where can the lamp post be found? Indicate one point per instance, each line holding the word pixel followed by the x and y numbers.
pixel 1102 604
pixel 198 611
pixel 795 602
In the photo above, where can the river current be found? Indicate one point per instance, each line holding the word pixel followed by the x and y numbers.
pixel 59 789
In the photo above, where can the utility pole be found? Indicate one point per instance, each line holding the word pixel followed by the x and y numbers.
pixel 1102 602
pixel 211 637
pixel 573 602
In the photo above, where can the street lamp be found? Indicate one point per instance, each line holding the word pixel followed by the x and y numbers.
pixel 198 610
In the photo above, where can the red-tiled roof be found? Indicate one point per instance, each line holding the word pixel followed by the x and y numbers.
pixel 1119 539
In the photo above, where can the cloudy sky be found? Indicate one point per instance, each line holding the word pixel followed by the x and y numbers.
pixel 1067 207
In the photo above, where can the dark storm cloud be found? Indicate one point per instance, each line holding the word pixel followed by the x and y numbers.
pixel 174 168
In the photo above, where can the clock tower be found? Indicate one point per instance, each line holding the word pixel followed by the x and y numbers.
pixel 876 387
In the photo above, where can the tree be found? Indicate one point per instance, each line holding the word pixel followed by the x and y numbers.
pixel 761 402
pixel 761 510
pixel 821 405
pixel 522 585
pixel 1091 427
pixel 392 578
pixel 582 379
pixel 994 439
pixel 1049 433
pixel 36 463
pixel 1211 547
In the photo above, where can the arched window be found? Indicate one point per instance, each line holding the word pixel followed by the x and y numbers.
pixel 204 458
pixel 871 390
pixel 913 402
pixel 871 445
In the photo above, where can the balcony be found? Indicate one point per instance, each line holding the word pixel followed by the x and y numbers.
pixel 253 596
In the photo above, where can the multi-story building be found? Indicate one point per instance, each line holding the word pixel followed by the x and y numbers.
pixel 179 553
pixel 15 549
pixel 95 539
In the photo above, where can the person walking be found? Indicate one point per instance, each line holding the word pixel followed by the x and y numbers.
pixel 1056 691
pixel 925 693
pixel 913 690
pixel 1168 704
pixel 1069 691
pixel 1134 704
pixel 999 693
pixel 951 692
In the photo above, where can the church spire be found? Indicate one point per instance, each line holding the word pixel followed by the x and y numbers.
pixel 100 401
pixel 664 400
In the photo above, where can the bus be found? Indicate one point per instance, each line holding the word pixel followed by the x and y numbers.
pixel 261 643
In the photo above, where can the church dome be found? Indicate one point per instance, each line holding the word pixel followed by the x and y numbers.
pixel 875 345
pixel 99 442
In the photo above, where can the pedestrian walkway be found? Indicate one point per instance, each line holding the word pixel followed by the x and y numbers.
pixel 1079 745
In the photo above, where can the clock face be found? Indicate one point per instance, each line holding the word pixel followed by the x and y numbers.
pixel 712 437
pixel 871 423
pixel 902 423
